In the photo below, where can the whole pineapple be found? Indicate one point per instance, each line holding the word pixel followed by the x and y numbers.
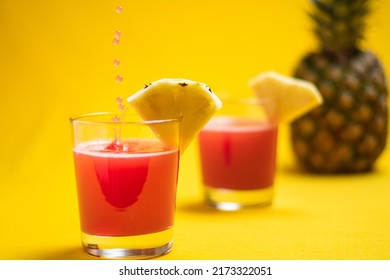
pixel 348 132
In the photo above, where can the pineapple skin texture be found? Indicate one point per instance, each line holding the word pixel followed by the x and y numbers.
pixel 348 132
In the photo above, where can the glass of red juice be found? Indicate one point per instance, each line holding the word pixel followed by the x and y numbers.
pixel 237 155
pixel 126 181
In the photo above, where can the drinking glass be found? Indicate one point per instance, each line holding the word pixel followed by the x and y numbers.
pixel 237 155
pixel 126 181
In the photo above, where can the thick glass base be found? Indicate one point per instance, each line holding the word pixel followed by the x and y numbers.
pixel 129 247
pixel 231 200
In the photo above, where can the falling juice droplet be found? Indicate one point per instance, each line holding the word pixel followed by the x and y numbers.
pixel 121 107
pixel 117 34
pixel 116 62
pixel 119 78
pixel 116 119
pixel 119 9
pixel 119 100
pixel 115 41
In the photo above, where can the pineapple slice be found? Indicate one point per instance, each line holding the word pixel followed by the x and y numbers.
pixel 290 97
pixel 173 98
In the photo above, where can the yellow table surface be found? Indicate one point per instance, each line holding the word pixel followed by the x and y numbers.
pixel 56 61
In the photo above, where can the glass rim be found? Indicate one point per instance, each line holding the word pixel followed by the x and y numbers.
pixel 81 118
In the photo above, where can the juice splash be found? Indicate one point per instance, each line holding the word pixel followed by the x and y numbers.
pixel 115 41
pixel 117 145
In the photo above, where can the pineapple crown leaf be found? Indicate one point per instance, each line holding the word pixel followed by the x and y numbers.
pixel 323 7
pixel 339 24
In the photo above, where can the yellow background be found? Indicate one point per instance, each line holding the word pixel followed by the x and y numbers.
pixel 56 61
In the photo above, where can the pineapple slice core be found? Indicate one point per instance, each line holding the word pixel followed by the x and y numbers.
pixel 290 97
pixel 173 98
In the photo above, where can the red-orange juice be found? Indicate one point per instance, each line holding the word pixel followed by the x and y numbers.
pixel 126 192
pixel 238 153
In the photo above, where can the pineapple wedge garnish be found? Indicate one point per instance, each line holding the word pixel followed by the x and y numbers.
pixel 173 98
pixel 290 97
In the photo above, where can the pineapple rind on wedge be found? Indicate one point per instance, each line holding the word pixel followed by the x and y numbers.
pixel 348 132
